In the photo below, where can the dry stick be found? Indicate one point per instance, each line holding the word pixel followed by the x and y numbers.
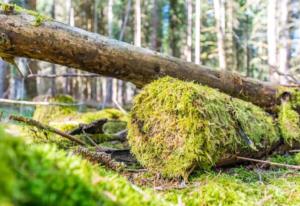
pixel 61 75
pixel 294 151
pixel 10 101
pixel 295 167
pixel 39 125
pixel 100 157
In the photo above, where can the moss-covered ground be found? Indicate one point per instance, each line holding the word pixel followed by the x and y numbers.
pixel 42 174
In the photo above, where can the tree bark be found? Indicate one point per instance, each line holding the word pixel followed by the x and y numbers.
pixel 272 40
pixel 220 29
pixel 283 52
pixel 197 32
pixel 62 44
pixel 189 32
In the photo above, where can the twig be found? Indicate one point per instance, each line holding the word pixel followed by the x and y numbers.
pixel 62 75
pixel 294 151
pixel 119 106
pixel 92 141
pixel 39 125
pixel 10 101
pixel 100 157
pixel 295 167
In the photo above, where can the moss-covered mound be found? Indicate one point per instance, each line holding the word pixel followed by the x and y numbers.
pixel 288 116
pixel 43 175
pixel 176 126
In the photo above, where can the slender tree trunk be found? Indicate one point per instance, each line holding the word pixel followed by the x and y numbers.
pixel 272 40
pixel 122 86
pixel 188 53
pixel 108 86
pixel 230 51
pixel 198 32
pixel 155 24
pixel 95 28
pixel 53 66
pixel 3 73
pixel 220 29
pixel 172 36
pixel 137 35
pixel 284 41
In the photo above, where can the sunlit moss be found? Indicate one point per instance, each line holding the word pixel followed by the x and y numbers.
pixel 66 118
pixel 47 113
pixel 13 8
pixel 176 126
pixel 241 188
pixel 44 175
pixel 289 123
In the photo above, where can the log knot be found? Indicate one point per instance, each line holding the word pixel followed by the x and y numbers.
pixel 4 40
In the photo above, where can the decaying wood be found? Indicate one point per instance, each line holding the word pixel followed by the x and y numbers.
pixel 34 123
pixel 61 44
pixel 100 157
pixel 96 127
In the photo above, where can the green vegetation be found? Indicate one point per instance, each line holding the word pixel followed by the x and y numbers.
pixel 44 175
pixel 178 125
pixel 66 118
pixel 289 123
pixel 12 8
pixel 241 187
pixel 47 113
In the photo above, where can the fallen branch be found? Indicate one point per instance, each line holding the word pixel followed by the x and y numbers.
pixel 51 76
pixel 10 101
pixel 294 167
pixel 100 157
pixel 41 126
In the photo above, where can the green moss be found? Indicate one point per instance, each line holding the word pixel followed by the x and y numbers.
pixel 289 123
pixel 12 8
pixel 178 125
pixel 67 119
pixel 241 187
pixel 113 114
pixel 44 175
pixel 113 127
pixel 48 113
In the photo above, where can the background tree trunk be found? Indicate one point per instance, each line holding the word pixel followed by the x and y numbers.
pixel 283 53
pixel 189 33
pixel 198 32
pixel 220 29
pixel 272 40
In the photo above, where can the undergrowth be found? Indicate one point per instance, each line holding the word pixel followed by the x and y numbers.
pixel 43 175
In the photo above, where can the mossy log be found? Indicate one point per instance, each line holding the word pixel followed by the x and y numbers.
pixel 177 126
pixel 27 34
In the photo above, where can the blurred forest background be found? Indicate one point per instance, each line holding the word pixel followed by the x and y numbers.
pixel 257 38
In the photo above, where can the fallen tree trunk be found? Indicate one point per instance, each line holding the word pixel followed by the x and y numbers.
pixel 28 35
pixel 178 126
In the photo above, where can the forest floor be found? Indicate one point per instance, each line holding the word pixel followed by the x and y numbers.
pixel 45 173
